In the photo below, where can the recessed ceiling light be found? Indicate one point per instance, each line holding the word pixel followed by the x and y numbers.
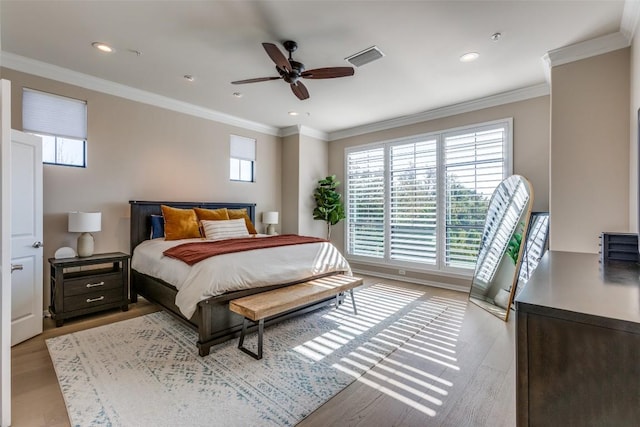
pixel 237 94
pixel 189 77
pixel 293 113
pixel 102 47
pixel 470 56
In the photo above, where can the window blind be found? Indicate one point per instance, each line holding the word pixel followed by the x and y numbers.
pixel 475 164
pixel 413 202
pixel 365 202
pixel 55 115
pixel 243 148
pixel 422 200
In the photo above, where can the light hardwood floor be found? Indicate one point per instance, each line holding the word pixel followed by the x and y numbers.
pixel 458 371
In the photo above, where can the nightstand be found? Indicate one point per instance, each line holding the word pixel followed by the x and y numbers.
pixel 87 285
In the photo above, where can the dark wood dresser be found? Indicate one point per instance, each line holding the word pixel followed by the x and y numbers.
pixel 578 343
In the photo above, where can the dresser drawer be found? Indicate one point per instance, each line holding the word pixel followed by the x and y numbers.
pixel 93 299
pixel 92 283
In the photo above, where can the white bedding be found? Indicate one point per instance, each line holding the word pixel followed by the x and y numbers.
pixel 230 272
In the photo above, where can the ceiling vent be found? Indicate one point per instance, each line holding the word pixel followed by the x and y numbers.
pixel 368 55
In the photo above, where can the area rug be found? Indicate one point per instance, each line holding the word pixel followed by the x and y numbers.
pixel 146 371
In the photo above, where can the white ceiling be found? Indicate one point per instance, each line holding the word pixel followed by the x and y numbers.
pixel 220 41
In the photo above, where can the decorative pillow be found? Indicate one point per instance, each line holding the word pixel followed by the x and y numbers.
pixel 211 214
pixel 242 213
pixel 217 230
pixel 179 223
pixel 157 226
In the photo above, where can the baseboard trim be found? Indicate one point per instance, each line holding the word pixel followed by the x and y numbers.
pixel 435 284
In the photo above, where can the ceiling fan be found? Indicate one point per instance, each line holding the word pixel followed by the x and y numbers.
pixel 292 71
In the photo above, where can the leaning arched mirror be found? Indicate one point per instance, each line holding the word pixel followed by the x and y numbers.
pixel 535 247
pixel 500 251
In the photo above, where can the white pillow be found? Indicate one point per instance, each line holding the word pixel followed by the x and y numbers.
pixel 225 229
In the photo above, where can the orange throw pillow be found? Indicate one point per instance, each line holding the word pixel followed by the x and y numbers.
pixel 211 214
pixel 242 213
pixel 180 223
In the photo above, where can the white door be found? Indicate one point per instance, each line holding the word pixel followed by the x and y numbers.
pixel 5 253
pixel 26 236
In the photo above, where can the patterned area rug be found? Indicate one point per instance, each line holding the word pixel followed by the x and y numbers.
pixel 146 371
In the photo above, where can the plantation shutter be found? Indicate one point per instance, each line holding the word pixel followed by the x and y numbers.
pixel 44 113
pixel 413 202
pixel 365 203
pixel 474 166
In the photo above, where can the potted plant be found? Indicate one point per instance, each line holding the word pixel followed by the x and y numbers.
pixel 329 206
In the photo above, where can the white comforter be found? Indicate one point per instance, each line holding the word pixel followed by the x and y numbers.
pixel 230 272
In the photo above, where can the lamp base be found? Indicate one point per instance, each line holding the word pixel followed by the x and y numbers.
pixel 271 229
pixel 85 245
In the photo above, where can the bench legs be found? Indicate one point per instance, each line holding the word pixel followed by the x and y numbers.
pixel 260 323
pixel 245 323
pixel 340 298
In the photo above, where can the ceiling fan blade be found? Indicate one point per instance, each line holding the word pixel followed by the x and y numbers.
pixel 277 56
pixel 300 90
pixel 259 79
pixel 327 73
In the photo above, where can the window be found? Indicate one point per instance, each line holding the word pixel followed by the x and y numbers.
pixel 242 159
pixel 61 123
pixel 422 201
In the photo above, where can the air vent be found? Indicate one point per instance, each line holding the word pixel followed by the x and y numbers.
pixel 364 57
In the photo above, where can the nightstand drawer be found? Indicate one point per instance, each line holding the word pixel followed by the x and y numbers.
pixel 93 299
pixel 94 283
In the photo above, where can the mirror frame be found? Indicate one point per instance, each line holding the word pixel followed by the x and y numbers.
pixel 502 312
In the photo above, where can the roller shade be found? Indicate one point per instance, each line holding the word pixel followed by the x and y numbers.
pixel 243 148
pixel 48 114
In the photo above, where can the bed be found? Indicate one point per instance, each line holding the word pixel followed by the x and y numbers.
pixel 211 316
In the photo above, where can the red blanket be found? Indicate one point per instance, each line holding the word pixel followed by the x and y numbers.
pixel 192 253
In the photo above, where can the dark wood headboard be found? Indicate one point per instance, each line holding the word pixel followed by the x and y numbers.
pixel 141 212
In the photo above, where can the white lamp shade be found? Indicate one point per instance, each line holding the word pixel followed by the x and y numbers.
pixel 85 222
pixel 270 217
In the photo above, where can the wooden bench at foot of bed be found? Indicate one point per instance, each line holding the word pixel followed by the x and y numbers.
pixel 256 308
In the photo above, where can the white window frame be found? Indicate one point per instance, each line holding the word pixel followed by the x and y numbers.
pixel 242 150
pixel 439 266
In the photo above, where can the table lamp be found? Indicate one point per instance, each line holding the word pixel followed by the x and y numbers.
pixel 85 223
pixel 271 219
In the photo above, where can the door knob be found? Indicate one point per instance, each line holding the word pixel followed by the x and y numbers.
pixel 37 244
pixel 15 267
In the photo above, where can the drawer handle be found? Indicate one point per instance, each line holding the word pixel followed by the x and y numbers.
pixel 93 285
pixel 95 299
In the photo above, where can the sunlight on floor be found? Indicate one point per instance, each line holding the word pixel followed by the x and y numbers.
pixel 425 337
pixel 375 304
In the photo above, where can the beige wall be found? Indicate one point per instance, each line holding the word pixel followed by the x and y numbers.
pixel 141 152
pixel 589 151
pixel 304 162
pixel 290 184
pixel 530 146
pixel 313 165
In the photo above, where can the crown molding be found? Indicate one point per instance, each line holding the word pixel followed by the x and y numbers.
pixel 304 130
pixel 630 18
pixel 523 94
pixel 64 75
pixel 587 49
